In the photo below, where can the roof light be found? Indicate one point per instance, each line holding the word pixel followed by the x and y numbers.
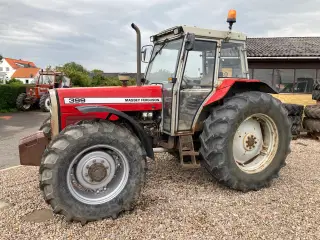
pixel 232 18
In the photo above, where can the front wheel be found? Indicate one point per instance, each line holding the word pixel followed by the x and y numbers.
pixel 92 171
pixel 245 141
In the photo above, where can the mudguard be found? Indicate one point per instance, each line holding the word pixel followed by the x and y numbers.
pixel 237 86
pixel 139 131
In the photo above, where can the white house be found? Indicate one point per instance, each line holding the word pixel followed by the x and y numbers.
pixel 9 66
pixel 26 75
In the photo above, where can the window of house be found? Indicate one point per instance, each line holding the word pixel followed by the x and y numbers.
pixel 304 80
pixel 27 81
pixel 264 75
pixel 284 80
pixel 1 69
pixel 7 69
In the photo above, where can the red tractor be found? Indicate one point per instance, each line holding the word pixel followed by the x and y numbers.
pixel 196 101
pixel 39 94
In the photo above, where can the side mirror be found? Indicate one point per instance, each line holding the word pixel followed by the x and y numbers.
pixel 146 53
pixel 190 41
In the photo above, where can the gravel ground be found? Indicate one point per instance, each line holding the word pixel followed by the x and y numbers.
pixel 184 204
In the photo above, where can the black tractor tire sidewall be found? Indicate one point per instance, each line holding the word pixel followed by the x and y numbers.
pixel 295 120
pixel 312 125
pixel 316 95
pixel 312 111
pixel 42 102
pixel 294 109
pixel 256 103
pixel 128 145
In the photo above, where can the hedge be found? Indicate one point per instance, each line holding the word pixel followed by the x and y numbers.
pixel 9 94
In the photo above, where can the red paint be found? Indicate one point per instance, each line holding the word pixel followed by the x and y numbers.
pixel 6 117
pixel 70 114
pixel 224 88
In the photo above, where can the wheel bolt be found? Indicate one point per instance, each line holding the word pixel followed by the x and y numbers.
pixel 87 166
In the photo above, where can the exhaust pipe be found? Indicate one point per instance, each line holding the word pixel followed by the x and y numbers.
pixel 138 53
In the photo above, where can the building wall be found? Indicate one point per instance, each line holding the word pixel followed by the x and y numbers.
pixel 27 80
pixel 7 69
pixel 294 79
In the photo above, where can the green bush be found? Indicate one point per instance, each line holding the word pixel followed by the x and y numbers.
pixel 9 94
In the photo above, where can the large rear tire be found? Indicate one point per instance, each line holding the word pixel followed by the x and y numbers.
pixel 312 111
pixel 45 102
pixel 21 104
pixel 92 171
pixel 316 95
pixel 245 142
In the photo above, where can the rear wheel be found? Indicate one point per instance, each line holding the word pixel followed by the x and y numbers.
pixel 22 103
pixel 245 142
pixel 312 111
pixel 92 171
pixel 45 102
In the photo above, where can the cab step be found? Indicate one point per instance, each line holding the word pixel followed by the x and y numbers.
pixel 186 152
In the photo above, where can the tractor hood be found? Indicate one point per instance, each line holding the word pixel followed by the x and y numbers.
pixel 131 98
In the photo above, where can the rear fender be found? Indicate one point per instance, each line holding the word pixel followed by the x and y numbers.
pixel 138 130
pixel 231 87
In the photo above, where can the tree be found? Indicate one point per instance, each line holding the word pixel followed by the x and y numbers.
pixel 97 77
pixel 77 73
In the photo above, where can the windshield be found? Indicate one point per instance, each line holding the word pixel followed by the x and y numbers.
pixel 46 79
pixel 163 63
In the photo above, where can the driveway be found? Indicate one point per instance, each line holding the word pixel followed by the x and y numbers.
pixel 14 126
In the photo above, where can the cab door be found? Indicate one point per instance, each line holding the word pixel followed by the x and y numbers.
pixel 196 82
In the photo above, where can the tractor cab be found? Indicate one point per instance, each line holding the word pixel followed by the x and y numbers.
pixel 190 63
pixel 52 79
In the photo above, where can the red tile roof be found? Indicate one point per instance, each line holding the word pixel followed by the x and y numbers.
pixel 13 63
pixel 25 73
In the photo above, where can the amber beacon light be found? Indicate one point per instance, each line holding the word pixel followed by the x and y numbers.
pixel 232 17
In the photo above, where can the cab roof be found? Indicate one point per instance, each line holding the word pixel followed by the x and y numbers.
pixel 199 32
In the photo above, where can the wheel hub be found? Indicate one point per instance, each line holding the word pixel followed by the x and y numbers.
pixel 255 143
pixel 97 172
pixel 250 142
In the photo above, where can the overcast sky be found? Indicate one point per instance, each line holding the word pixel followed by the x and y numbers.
pixel 97 33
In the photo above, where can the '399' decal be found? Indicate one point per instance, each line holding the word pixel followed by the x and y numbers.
pixel 75 100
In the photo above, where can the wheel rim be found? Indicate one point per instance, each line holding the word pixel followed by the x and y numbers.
pixel 47 103
pixel 98 174
pixel 255 143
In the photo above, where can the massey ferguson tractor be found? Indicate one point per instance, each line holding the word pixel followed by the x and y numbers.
pixel 195 100
pixel 39 94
